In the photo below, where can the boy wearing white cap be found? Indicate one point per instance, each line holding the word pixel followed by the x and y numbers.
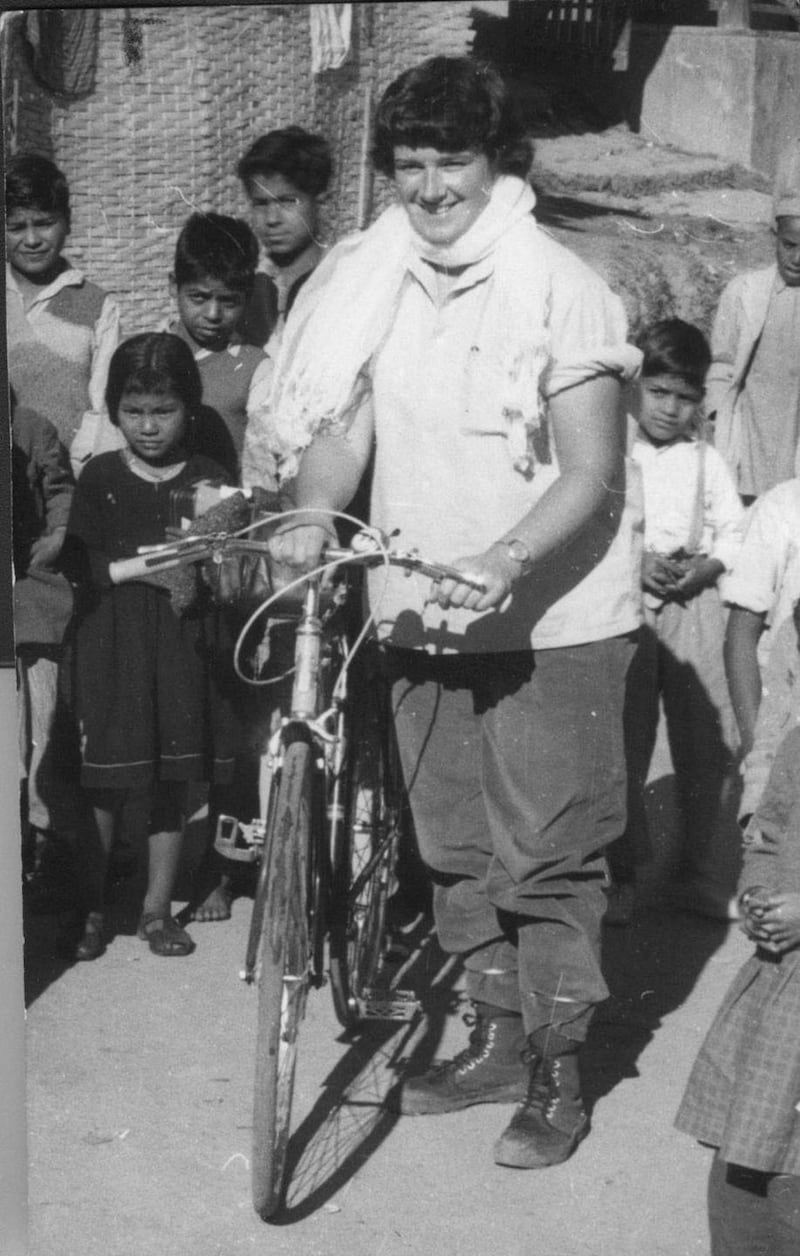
pixel 754 382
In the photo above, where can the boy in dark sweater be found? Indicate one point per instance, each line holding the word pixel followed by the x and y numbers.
pixel 61 329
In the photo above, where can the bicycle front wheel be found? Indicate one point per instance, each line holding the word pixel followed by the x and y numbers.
pixel 282 974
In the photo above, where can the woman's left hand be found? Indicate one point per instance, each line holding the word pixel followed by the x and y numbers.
pixel 495 569
pixel 777 928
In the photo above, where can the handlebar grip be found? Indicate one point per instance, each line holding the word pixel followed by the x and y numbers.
pixel 123 569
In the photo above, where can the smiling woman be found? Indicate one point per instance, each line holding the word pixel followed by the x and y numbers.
pixel 443 193
pixel 480 363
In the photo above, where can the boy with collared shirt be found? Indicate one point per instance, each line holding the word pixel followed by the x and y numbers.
pixel 215 263
pixel 284 174
pixel 61 329
pixel 693 522
pixel 754 379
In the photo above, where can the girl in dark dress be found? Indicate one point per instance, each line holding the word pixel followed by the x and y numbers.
pixel 148 668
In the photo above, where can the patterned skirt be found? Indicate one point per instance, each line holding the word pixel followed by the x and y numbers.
pixel 743 1093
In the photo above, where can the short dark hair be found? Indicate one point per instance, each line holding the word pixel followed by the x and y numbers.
pixel 154 361
pixel 302 158
pixel 451 104
pixel 673 347
pixel 34 182
pixel 213 244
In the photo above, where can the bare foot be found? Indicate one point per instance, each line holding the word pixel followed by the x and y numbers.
pixel 217 903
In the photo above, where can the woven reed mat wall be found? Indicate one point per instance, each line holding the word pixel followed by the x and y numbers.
pixel 180 93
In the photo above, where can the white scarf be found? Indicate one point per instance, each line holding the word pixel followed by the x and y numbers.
pixel 345 310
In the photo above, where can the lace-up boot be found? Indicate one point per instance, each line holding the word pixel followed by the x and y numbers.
pixel 489 1070
pixel 547 1127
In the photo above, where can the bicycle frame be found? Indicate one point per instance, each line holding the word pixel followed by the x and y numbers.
pixel 325 730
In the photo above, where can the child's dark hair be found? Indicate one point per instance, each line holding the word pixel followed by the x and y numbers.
pixel 215 246
pixel 156 362
pixel 673 347
pixel 452 104
pixel 302 158
pixel 33 182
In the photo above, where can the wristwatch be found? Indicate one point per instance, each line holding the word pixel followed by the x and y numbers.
pixel 519 552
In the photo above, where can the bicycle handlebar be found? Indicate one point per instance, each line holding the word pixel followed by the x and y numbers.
pixel 219 545
pixel 159 559
pixel 409 560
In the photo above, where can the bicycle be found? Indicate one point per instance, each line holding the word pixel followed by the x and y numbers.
pixel 333 812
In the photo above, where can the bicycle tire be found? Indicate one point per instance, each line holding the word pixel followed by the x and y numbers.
pixel 256 929
pixel 283 975
pixel 363 860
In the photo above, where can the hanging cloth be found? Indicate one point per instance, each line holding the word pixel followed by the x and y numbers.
pixel 64 46
pixel 330 35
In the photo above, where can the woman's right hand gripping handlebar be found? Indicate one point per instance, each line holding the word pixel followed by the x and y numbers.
pixel 297 546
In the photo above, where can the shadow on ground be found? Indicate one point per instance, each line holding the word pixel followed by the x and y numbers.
pixel 351 1118
pixel 651 968
pixel 49 937
pixel 652 965
pixel 566 212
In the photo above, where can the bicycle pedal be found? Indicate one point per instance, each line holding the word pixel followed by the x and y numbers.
pixel 242 842
pixel 392 1005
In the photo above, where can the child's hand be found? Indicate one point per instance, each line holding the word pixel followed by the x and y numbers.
pixel 700 573
pixel 660 574
pixel 46 549
pixel 775 923
pixel 752 904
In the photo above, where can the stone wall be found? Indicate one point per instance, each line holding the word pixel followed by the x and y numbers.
pixel 776 111
pixel 735 94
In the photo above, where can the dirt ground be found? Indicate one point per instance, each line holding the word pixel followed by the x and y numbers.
pixel 139 1069
pixel 667 230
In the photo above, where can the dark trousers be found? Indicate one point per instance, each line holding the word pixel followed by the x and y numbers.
pixel 752 1213
pixel 515 770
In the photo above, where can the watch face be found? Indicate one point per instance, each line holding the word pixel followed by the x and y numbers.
pixel 519 552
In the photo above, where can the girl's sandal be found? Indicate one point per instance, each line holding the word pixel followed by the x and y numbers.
pixel 92 944
pixel 164 935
